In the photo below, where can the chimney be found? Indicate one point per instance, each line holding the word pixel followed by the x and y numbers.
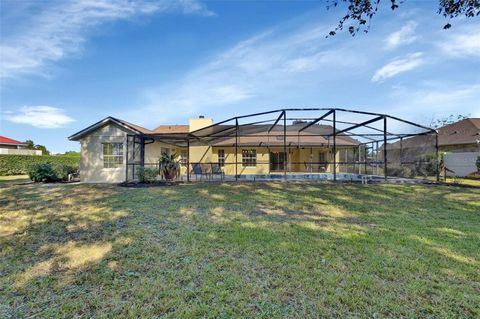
pixel 198 123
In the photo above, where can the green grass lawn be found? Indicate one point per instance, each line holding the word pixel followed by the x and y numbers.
pixel 240 250
pixel 13 179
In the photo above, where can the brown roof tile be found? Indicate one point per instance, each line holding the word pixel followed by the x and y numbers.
pixel 171 129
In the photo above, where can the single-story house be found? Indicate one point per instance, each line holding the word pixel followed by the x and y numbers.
pixel 459 143
pixel 107 148
pixel 9 146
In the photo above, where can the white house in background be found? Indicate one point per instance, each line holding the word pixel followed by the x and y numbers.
pixel 9 146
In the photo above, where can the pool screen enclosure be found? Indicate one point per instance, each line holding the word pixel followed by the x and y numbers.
pixel 299 143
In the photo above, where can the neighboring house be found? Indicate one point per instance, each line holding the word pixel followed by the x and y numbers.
pixel 9 146
pixel 107 144
pixel 461 136
pixel 459 143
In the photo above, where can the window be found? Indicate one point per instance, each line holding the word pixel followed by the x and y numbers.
pixel 249 158
pixel 221 157
pixel 165 150
pixel 321 158
pixel 112 155
pixel 183 158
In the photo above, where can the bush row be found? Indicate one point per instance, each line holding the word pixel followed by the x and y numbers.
pixel 21 164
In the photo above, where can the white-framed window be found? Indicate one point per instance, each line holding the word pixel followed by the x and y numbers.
pixel 221 157
pixel 112 155
pixel 183 157
pixel 249 158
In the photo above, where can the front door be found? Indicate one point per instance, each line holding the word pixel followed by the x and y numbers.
pixel 278 161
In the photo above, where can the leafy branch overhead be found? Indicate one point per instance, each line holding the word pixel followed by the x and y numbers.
pixel 361 12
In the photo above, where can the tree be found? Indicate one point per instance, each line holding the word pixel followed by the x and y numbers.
pixel 448 120
pixel 361 12
pixel 43 149
pixel 30 145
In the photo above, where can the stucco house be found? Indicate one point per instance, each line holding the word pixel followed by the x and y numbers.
pixel 10 146
pixel 108 146
pixel 459 143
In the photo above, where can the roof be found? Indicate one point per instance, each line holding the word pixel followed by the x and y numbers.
pixel 259 135
pixel 466 131
pixel 132 127
pixel 171 129
pixel 10 141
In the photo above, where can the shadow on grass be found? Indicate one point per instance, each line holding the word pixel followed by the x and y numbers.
pixel 290 248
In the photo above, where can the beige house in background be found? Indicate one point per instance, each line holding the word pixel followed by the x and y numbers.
pixel 104 149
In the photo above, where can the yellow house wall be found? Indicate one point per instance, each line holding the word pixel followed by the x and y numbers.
pixel 298 156
pixel 200 154
pixel 153 152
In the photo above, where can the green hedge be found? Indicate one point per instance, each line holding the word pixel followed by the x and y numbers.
pixel 19 164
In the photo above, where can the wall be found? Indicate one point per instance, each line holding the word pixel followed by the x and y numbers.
pixel 461 163
pixel 459 148
pixel 200 154
pixel 153 153
pixel 91 152
pixel 15 151
pixel 263 159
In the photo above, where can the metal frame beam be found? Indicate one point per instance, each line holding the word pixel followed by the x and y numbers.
pixel 316 121
pixel 276 121
pixel 361 124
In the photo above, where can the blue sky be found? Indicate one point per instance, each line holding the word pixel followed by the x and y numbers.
pixel 65 65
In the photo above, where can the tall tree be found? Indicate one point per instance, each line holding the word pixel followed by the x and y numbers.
pixel 448 120
pixel 361 12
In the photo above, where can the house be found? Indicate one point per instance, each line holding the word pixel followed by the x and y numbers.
pixel 9 146
pixel 462 136
pixel 112 149
pixel 459 143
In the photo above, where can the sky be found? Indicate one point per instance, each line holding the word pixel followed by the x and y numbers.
pixel 65 65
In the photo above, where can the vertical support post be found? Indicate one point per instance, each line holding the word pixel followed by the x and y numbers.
pixel 142 151
pixel 334 145
pixel 358 159
pixel 376 158
pixel 437 159
pixel 285 162
pixel 126 159
pixel 188 158
pixel 401 150
pixel 385 147
pixel 236 149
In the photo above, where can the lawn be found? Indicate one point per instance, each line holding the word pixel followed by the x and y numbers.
pixel 240 250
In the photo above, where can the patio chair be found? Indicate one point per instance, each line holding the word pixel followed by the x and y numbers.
pixel 217 170
pixel 197 170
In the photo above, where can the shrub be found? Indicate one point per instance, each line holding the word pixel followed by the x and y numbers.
pixel 42 173
pixel 46 172
pixel 63 170
pixel 20 164
pixel 478 163
pixel 147 174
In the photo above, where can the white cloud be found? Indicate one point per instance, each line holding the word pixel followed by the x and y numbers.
pixel 405 35
pixel 437 99
pixel 39 116
pixel 464 43
pixel 252 69
pixel 61 28
pixel 410 62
